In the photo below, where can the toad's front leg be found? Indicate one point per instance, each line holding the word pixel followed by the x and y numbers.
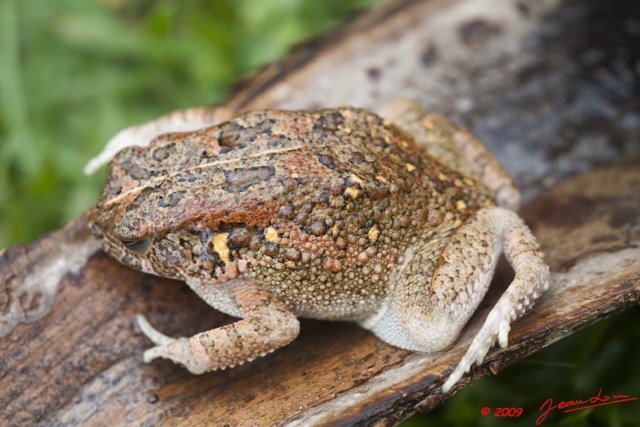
pixel 267 325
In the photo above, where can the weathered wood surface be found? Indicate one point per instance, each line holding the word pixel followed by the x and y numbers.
pixel 549 85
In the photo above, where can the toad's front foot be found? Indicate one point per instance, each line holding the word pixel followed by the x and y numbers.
pixel 268 325
pixel 175 349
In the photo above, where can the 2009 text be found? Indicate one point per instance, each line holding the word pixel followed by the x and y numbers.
pixel 503 412
pixel 508 412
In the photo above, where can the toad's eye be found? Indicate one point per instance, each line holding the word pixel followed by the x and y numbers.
pixel 138 246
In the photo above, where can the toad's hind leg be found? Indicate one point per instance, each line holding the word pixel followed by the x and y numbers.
pixel 430 314
pixel 530 281
pixel 267 325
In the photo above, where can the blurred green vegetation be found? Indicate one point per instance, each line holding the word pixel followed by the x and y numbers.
pixel 74 72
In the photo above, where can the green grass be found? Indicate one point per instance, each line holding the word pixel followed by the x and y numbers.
pixel 74 72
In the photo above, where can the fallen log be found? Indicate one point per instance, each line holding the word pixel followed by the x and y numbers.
pixel 549 85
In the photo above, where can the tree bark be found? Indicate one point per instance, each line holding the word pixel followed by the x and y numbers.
pixel 549 85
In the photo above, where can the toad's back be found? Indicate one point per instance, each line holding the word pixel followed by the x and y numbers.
pixel 317 206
